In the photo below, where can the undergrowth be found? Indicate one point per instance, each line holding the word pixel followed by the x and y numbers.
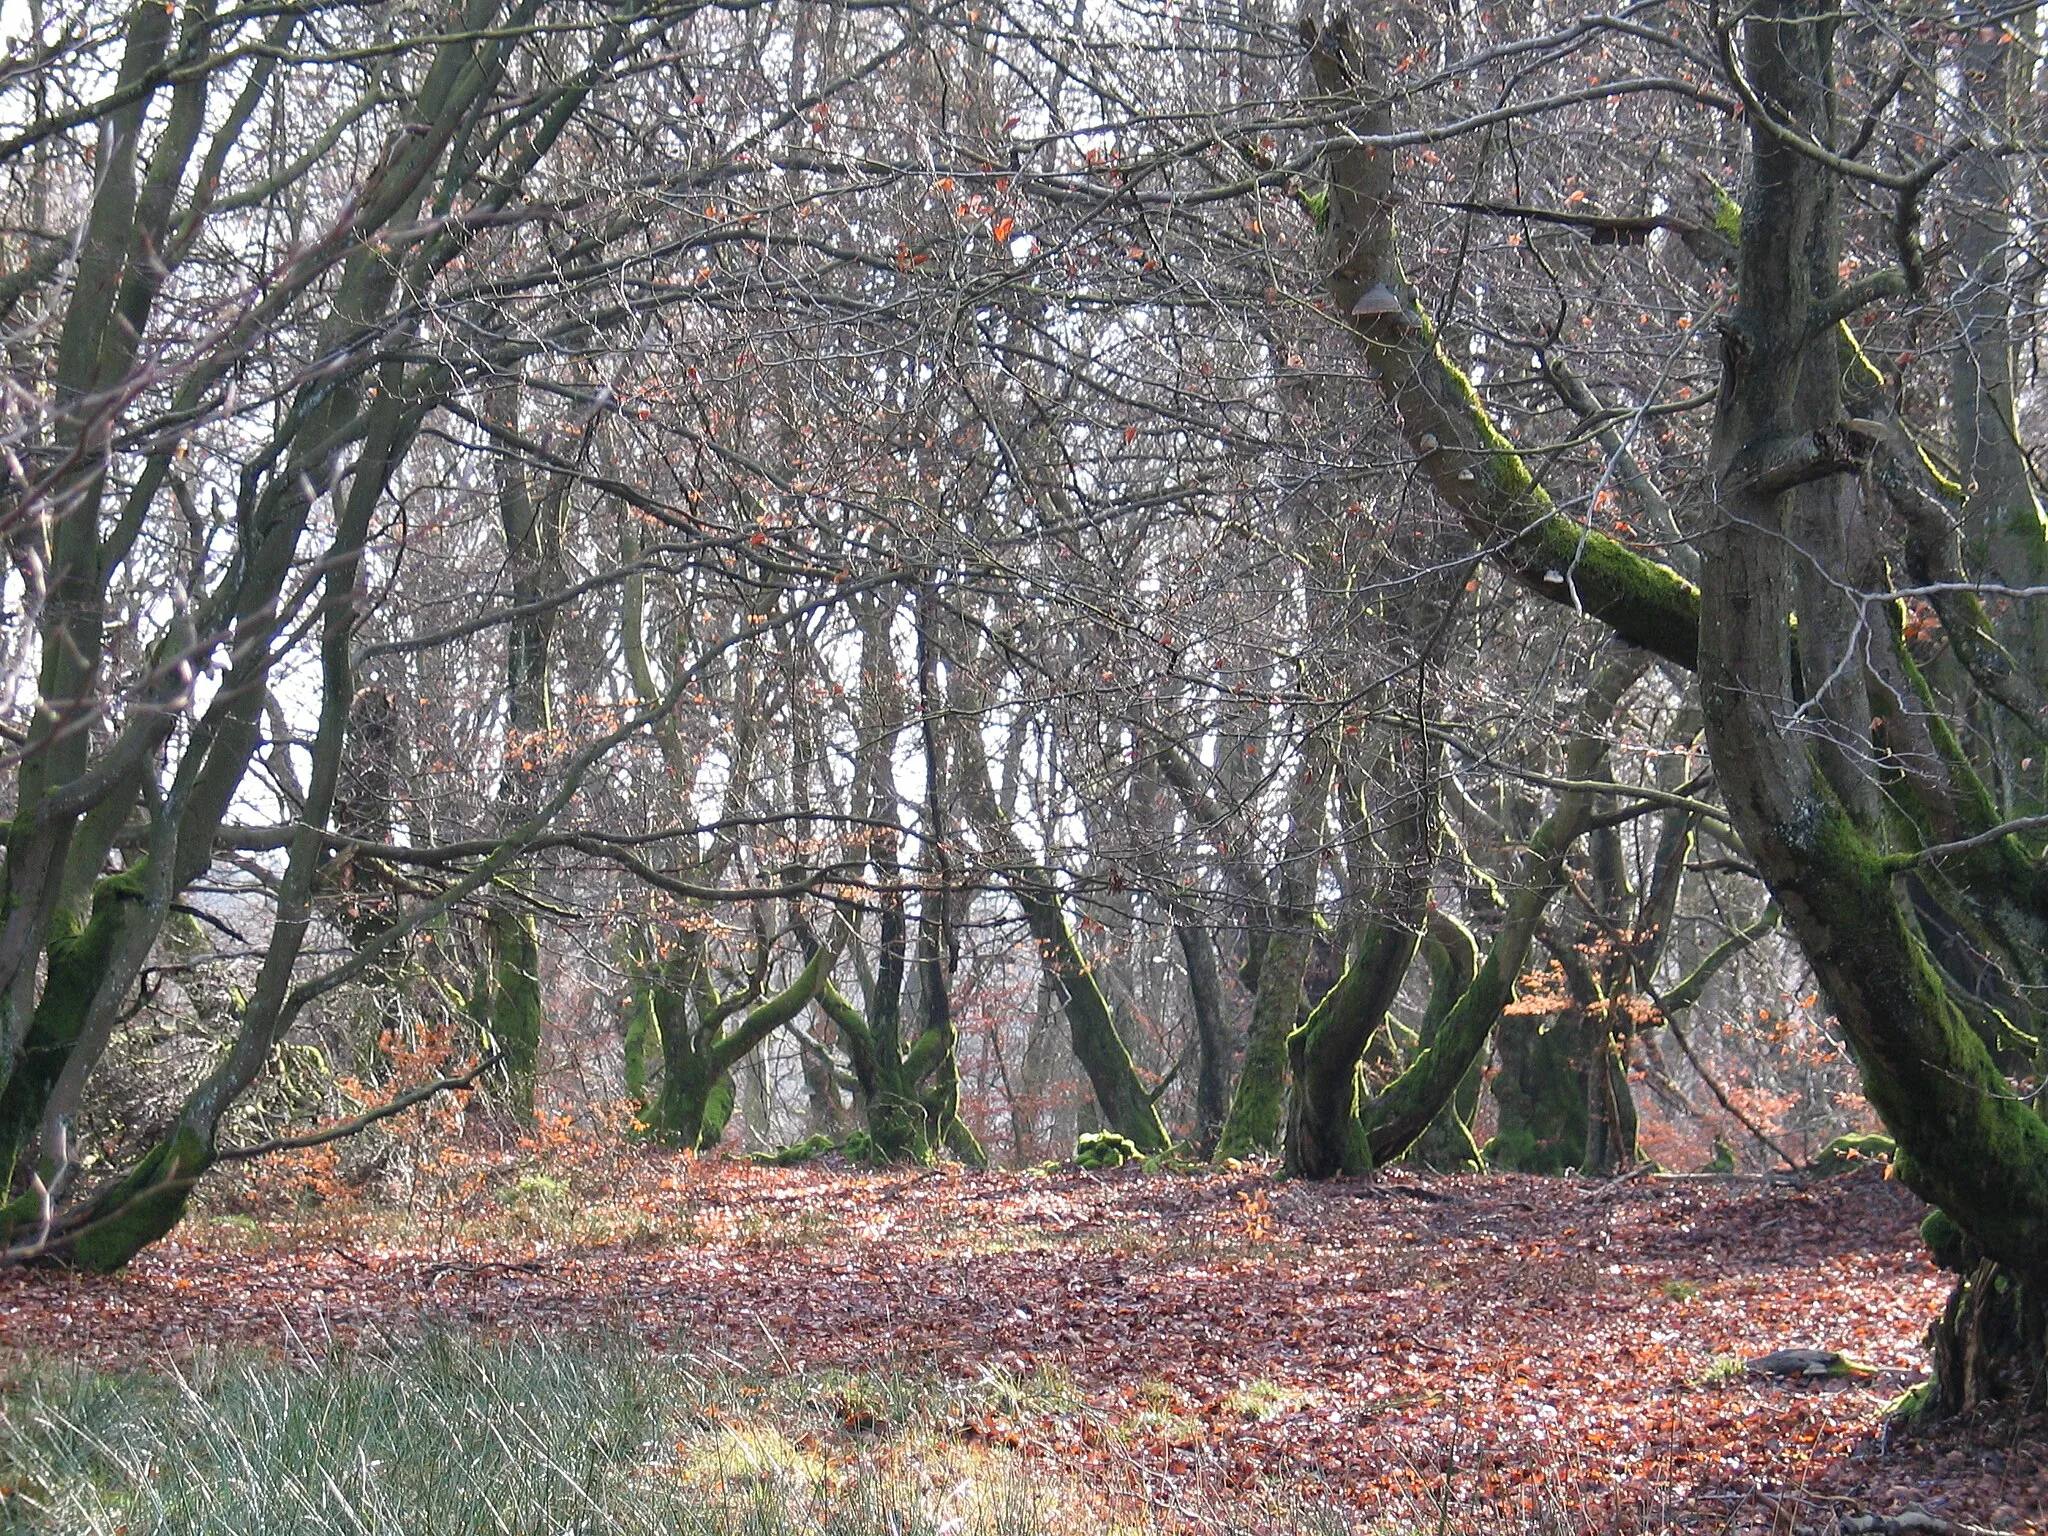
pixel 537 1437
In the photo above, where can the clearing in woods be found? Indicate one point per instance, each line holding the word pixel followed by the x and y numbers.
pixel 1475 1344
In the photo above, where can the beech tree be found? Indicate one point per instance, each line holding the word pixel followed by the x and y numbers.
pixel 1878 818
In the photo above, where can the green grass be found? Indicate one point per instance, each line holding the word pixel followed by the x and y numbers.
pixel 532 1439
pixel 1724 1370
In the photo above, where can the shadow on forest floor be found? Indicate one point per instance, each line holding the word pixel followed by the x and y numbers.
pixel 1487 1353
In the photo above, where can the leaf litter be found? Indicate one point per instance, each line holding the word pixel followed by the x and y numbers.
pixel 1469 1344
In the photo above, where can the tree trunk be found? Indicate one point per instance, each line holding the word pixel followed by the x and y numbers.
pixel 1125 1104
pixel 1792 770
pixel 1258 1106
pixel 1539 1094
pixel 1447 1146
pixel 706 1038
pixel 1212 1035
pixel 1807 813
pixel 512 999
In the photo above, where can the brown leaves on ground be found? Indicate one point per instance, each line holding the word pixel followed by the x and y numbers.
pixel 1494 1340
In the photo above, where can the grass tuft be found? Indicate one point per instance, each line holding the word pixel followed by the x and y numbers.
pixel 544 1438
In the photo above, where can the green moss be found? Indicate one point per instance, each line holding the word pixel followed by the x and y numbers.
pixel 900 1127
pixel 641 1037
pixel 717 1113
pixel 1104 1149
pixel 1326 1056
pixel 966 1146
pixel 1965 1144
pixel 1253 1124
pixel 1917 1402
pixel 1727 213
pixel 75 962
pixel 514 1018
pixel 1857 1150
pixel 1540 1096
pixel 810 1148
pixel 1649 604
pixel 1091 1022
pixel 1511 1150
pixel 1948 1244
pixel 143 1207
pixel 1447 1145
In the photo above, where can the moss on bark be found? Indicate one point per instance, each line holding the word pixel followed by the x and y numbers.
pixel 1091 1023
pixel 704 1039
pixel 1256 1105
pixel 1540 1096
pixel 1471 463
pixel 1324 1136
pixel 513 1015
pixel 75 962
pixel 139 1210
pixel 640 1036
pixel 1453 958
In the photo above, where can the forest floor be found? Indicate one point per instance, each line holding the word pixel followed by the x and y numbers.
pixel 1492 1351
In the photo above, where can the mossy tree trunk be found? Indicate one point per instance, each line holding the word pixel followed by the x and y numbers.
pixel 1150 806
pixel 941 903
pixel 1991 1340
pixel 78 960
pixel 1813 817
pixel 532 523
pixel 2004 534
pixel 908 1087
pixel 1453 958
pixel 366 811
pixel 1393 1119
pixel 137 1209
pixel 1126 1105
pixel 900 1039
pixel 706 1034
pixel 347 432
pixel 1597 984
pixel 1257 1114
pixel 510 1004
pixel 898 1036
pixel 1992 1337
pixel 1539 1094
pixel 1324 1135
pixel 1212 1033
pixel 1562 1091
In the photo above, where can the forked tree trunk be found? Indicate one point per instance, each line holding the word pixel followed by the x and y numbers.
pixel 1453 957
pixel 1808 812
pixel 706 1037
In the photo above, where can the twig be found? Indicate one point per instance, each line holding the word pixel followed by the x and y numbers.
pixel 1608 1188
pixel 367 1118
pixel 1749 1125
